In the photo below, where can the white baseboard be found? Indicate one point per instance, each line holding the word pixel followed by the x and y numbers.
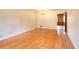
pixel 16 34
pixel 75 46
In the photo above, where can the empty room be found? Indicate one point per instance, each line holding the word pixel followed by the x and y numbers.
pixel 39 28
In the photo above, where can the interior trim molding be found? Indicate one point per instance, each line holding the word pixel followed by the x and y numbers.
pixel 16 34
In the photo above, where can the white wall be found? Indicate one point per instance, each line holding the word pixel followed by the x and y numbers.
pixel 13 22
pixel 73 26
pixel 49 19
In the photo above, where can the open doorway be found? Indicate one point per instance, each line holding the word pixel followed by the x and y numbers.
pixel 62 22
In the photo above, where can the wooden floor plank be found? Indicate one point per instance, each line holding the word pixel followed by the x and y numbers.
pixel 38 38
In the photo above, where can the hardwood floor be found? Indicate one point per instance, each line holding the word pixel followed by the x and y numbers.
pixel 38 38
